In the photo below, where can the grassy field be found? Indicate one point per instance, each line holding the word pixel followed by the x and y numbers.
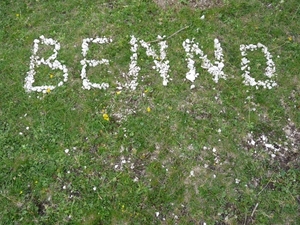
pixel 183 153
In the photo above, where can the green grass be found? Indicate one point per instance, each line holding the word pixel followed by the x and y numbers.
pixel 139 163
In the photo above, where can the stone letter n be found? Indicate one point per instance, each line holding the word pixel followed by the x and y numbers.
pixel 161 64
pixel 216 69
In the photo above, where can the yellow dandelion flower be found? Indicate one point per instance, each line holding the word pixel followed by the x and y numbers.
pixel 106 117
pixel 17 15
pixel 48 90
pixel 21 192
pixel 51 76
pixel 290 38
pixel 148 109
pixel 148 89
pixel 118 92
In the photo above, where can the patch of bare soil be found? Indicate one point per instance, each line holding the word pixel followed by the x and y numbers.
pixel 199 4
pixel 287 154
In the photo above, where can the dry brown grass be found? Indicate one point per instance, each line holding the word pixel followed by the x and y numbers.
pixel 200 4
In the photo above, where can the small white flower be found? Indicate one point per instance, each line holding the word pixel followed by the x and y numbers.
pixel 66 151
pixel 270 146
pixel 94 188
pixel 252 142
pixel 192 173
pixel 264 138
pixel 156 214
